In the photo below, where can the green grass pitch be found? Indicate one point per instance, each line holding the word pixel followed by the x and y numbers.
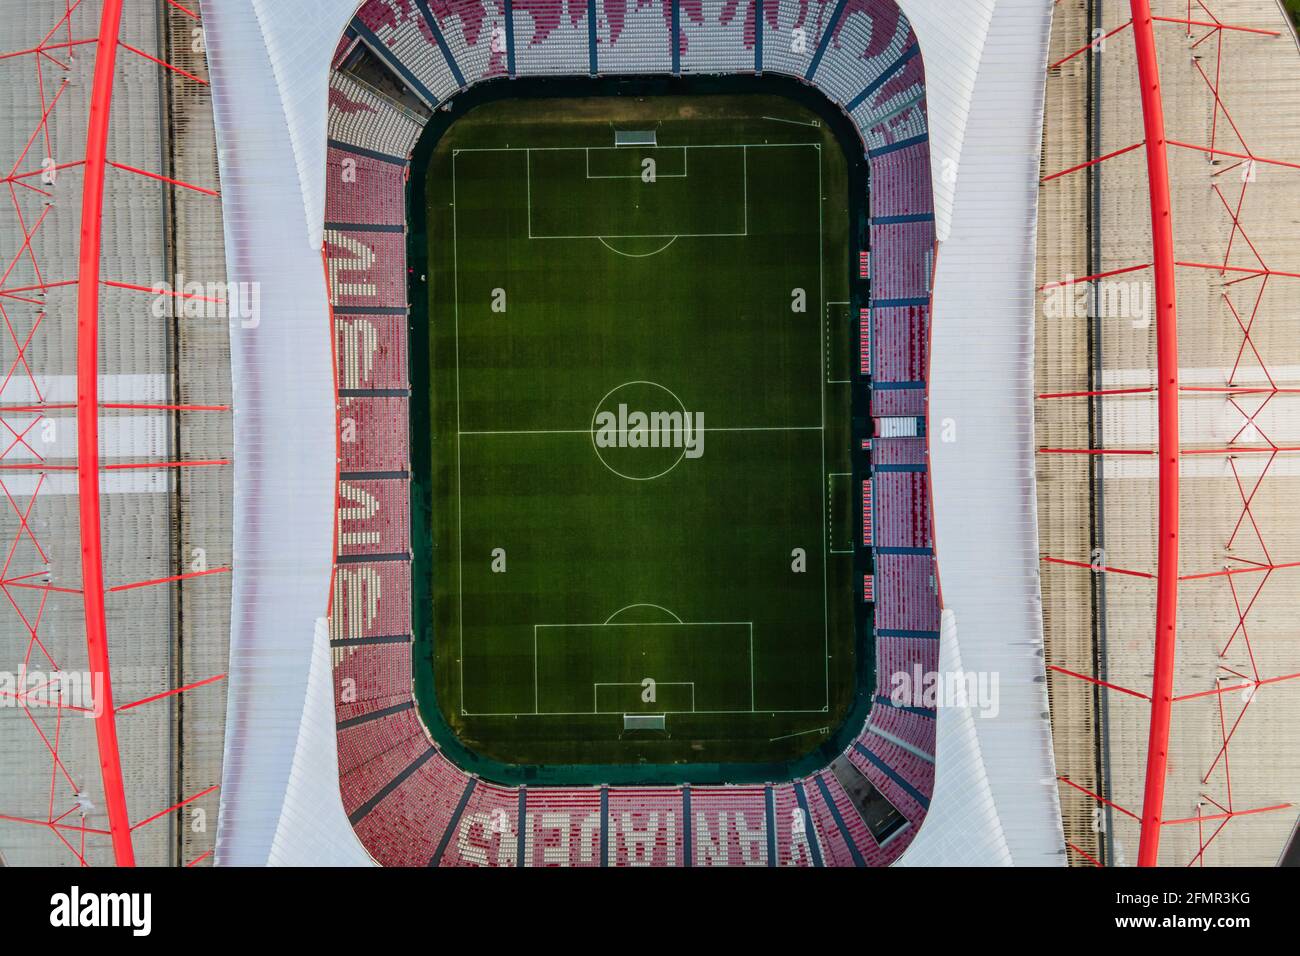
pixel 579 551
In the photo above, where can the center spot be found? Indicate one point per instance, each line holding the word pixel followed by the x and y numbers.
pixel 642 430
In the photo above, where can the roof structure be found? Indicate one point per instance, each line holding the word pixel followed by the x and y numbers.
pixel 116 416
pixel 280 800
pixel 143 522
pixel 265 68
pixel 995 770
pixel 1164 448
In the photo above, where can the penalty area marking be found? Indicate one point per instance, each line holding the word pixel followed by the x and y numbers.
pixel 608 623
pixel 637 255
pixel 644 147
pixel 744 193
pixel 597 685
pixel 628 607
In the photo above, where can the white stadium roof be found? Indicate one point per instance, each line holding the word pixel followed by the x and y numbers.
pixel 995 799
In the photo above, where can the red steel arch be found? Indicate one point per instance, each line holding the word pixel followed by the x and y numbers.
pixel 92 553
pixel 1201 25
pixel 62 780
pixel 1166 321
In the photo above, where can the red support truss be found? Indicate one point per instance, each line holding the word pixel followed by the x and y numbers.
pixel 1169 451
pixel 67 822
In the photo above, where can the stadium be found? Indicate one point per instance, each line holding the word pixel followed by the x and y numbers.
pixel 693 433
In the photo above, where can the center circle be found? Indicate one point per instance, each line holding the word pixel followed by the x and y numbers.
pixel 636 430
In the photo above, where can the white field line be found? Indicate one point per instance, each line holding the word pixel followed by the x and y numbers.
pixel 821 296
pixel 743 147
pixel 624 431
pixel 827 319
pixel 596 685
pixel 537 628
pixel 684 174
pixel 830 511
pixel 587 431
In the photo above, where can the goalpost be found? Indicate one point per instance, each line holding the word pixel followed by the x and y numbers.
pixel 644 721
pixel 633 137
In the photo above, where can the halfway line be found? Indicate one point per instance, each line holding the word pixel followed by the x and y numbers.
pixel 624 431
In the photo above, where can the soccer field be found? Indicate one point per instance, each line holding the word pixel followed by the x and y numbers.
pixel 640 498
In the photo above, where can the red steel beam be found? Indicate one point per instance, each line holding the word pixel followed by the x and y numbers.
pixel 92 553
pixel 1217 26
pixel 1162 247
pixel 1091 162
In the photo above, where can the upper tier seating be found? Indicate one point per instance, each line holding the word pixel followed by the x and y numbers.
pixel 362 117
pixel 551 36
pixel 717 36
pixel 410 804
pixel 633 36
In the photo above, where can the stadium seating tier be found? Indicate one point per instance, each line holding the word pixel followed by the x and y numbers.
pixel 409 803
